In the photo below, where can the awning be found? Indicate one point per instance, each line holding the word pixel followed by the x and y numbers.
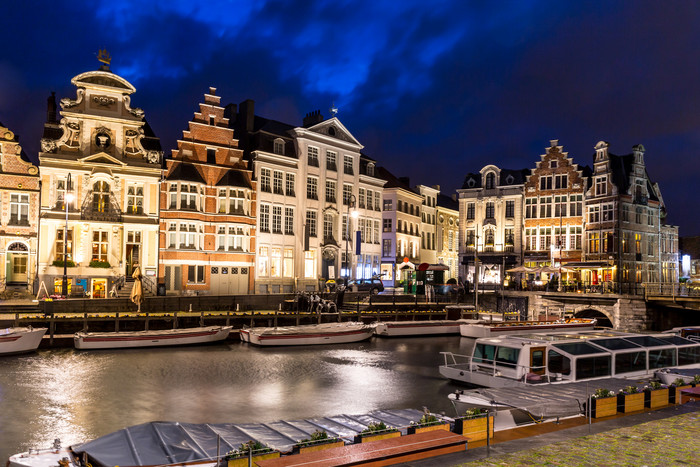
pixel 589 265
pixel 432 267
pixel 407 265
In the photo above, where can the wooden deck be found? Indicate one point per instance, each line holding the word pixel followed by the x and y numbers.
pixel 376 453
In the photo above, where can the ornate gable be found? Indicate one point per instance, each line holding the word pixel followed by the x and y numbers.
pixel 334 129
pixel 101 158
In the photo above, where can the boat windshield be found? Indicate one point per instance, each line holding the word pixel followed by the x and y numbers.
pixel 689 355
pixel 675 340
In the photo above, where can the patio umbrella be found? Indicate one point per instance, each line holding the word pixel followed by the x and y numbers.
pixel 521 269
pixel 137 290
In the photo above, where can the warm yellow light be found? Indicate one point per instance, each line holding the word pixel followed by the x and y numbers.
pixel 354 214
pixel 69 197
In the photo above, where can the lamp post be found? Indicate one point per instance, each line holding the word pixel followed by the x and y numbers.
pixel 351 202
pixel 67 198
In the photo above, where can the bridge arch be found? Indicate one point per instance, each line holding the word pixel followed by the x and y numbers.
pixel 603 317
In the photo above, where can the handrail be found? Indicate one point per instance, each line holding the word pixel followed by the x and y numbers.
pixel 492 366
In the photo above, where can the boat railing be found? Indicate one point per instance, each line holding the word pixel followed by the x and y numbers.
pixel 498 369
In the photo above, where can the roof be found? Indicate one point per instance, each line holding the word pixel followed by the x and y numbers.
pixel 234 177
pixel 508 177
pixel 391 180
pixel 445 201
pixel 621 167
pixel 150 141
pixel 186 172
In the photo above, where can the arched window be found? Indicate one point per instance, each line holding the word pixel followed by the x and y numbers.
pixel 490 181
pixel 100 196
pixel 489 237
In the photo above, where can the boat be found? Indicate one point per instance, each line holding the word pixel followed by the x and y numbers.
pixel 308 334
pixel 153 338
pixel 528 360
pixel 20 339
pixel 483 329
pixel 670 375
pixel 689 332
pixel 420 328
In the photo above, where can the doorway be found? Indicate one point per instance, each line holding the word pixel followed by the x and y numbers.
pixel 537 360
pixel 133 251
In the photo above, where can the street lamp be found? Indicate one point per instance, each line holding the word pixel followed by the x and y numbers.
pixel 67 198
pixel 348 227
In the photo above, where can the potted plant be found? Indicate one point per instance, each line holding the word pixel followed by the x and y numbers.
pixel 674 394
pixel 375 432
pixel 318 441
pixel 630 399
pixel 428 422
pixel 473 424
pixel 655 395
pixel 603 403
pixel 59 263
pixel 239 457
pixel 99 264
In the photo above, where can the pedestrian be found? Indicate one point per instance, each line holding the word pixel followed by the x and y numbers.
pixel 340 296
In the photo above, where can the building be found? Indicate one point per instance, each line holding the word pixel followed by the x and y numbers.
pixel 207 210
pixel 490 222
pixel 627 241
pixel 428 224
pixel 447 234
pixel 19 220
pixel 314 187
pixel 100 172
pixel 554 204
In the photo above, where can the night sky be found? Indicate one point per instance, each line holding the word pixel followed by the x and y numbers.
pixel 433 90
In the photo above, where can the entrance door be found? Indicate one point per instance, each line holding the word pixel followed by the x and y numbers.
pixel 133 251
pixel 99 288
pixel 19 269
pixel 537 360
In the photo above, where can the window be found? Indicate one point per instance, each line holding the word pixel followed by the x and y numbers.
pixel 277 183
pixel 347 165
pixel 607 213
pixel 289 221
pixel 134 199
pixel 625 212
pixel 530 239
pixel 195 274
pixel 59 244
pixel 489 239
pixel 211 156
pixel 276 219
pixel 510 209
pixel 388 205
pixel 638 215
pixel 376 202
pixel 545 182
pixel 546 207
pixel 188 236
pixel 561 181
pixel 263 262
pixel 625 242
pixel 100 240
pixel 575 205
pixel 450 239
pixel 347 194
pixel 361 197
pixel 601 185
pixel 311 223
pixel 288 265
pixel 560 206
pixel 311 187
pixel 310 264
pixel 470 211
pixel 276 262
pixel 376 231
pixel 470 234
pixel 650 217
pixel 593 242
pixel 264 217
pixel 265 180
pixel 593 214
pixel 312 154
pixel 553 164
pixel 344 228
pixel 575 238
pixel 509 239
pixel 545 238
pixel 188 197
pixel 100 196
pixel 386 248
pixel 61 194
pixel 289 185
pixel 328 227
pixel 370 195
pixel 490 210
pixel 490 181
pixel 331 158
pixel 19 209
pixel 638 244
pixel 531 208
pixel 386 225
pixel 279 146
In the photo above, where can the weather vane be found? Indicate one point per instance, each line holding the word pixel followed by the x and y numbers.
pixel 104 57
pixel 333 110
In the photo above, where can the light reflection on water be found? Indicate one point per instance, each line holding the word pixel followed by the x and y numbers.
pixel 77 396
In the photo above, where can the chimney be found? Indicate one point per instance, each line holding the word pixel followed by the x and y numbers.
pixel 246 114
pixel 51 108
pixel 312 118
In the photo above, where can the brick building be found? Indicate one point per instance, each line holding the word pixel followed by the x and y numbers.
pixel 207 210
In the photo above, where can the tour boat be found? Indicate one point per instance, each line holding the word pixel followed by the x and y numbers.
pixel 308 334
pixel 420 328
pixel 160 338
pixel 543 358
pixel 19 340
pixel 670 375
pixel 482 329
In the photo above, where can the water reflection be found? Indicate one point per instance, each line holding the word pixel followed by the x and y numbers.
pixel 82 395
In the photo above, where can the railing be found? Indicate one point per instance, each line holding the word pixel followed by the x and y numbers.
pixel 149 285
pixel 494 368
pixel 660 289
pixel 109 211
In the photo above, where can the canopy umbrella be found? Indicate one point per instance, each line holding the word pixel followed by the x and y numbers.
pixel 553 269
pixel 137 290
pixel 521 269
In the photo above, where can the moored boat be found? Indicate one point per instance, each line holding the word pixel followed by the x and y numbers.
pixel 308 334
pixel 420 328
pixel 482 329
pixel 154 338
pixel 20 339
pixel 556 358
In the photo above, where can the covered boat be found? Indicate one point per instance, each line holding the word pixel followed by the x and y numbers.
pixel 309 334
pixel 521 327
pixel 155 338
pixel 420 328
pixel 556 358
pixel 20 340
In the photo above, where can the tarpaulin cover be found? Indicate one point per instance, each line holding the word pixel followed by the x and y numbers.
pixel 159 443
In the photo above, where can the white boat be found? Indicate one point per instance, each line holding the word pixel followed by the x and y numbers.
pixel 420 328
pixel 670 375
pixel 155 338
pixel 309 334
pixel 19 340
pixel 482 329
pixel 554 358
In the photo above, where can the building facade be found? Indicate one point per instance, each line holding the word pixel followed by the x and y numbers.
pixel 100 172
pixel 207 210
pixel 19 218
pixel 447 234
pixel 428 224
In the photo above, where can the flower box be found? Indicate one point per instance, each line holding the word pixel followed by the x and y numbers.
pixel 414 429
pixel 674 395
pixel 655 398
pixel 376 436
pixel 473 428
pixel 630 402
pixel 317 446
pixel 243 460
pixel 603 406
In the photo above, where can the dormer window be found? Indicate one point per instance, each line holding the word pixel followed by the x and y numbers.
pixel 331 130
pixel 490 181
pixel 470 183
pixel 279 146
pixel 370 169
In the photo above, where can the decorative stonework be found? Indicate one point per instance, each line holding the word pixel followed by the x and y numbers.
pixel 136 112
pixel 67 103
pixel 104 101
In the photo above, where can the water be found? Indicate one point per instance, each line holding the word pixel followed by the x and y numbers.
pixel 81 395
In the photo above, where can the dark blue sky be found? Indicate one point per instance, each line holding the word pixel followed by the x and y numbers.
pixel 432 89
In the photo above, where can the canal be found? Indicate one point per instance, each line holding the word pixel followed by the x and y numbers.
pixel 81 395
